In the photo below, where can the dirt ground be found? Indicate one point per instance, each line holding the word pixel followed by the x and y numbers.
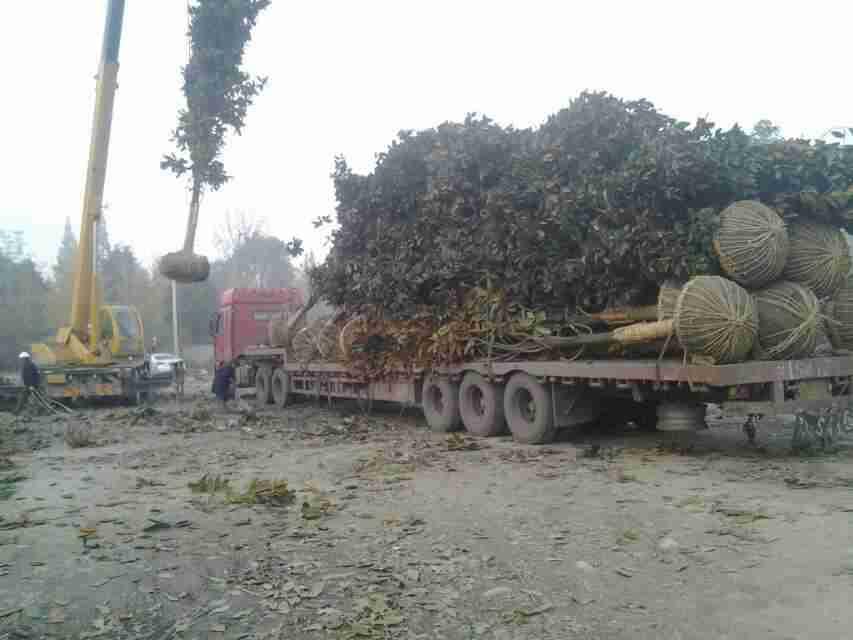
pixel 155 530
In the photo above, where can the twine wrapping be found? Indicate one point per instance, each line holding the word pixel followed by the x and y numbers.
pixel 716 319
pixel 751 243
pixel 819 258
pixel 789 322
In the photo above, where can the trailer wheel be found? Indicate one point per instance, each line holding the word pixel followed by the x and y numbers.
pixel 481 406
pixel 280 388
pixel 441 405
pixel 263 387
pixel 529 409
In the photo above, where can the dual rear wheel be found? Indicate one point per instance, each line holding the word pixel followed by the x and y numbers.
pixel 485 408
pixel 531 410
pixel 272 387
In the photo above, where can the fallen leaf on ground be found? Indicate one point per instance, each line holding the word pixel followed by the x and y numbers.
pixel 157 524
pixel 315 507
pixel 628 536
pixel 521 616
pixel 209 484
pixel 55 615
pixel 272 492
pixel 458 442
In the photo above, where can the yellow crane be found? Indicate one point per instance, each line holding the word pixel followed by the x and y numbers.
pixel 101 352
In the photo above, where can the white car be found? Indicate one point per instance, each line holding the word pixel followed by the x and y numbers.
pixel 162 364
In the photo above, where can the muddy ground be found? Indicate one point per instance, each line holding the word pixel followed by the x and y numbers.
pixel 385 530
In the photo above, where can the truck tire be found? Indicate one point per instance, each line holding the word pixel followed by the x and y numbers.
pixel 263 387
pixel 441 405
pixel 481 406
pixel 280 388
pixel 529 410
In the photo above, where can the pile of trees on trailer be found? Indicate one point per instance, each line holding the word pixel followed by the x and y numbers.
pixel 595 209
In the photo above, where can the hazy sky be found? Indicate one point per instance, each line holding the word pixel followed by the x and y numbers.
pixel 346 76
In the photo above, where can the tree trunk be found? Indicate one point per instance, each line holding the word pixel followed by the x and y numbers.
pixel 192 221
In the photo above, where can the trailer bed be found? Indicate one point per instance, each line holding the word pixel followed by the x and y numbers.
pixel 749 390
pixel 649 370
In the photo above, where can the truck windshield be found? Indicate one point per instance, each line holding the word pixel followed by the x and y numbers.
pixel 127 324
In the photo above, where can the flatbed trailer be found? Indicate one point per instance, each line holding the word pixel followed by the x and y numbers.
pixel 534 399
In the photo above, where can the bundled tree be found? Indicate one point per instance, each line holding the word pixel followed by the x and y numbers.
pixel 598 206
pixel 218 95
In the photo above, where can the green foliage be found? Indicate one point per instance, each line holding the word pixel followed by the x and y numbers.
pixel 210 484
pixel 102 240
pixel 123 279
pixel 597 206
pixel 62 278
pixel 252 257
pixel 66 257
pixel 272 492
pixel 766 131
pixel 23 300
pixel 218 92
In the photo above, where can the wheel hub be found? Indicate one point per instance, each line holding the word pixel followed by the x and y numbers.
pixel 526 405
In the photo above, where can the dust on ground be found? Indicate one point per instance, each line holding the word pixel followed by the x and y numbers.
pixel 180 521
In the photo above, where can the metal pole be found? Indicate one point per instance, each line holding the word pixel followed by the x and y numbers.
pixel 175 318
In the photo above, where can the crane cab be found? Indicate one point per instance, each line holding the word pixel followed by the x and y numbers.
pixel 121 332
pixel 121 339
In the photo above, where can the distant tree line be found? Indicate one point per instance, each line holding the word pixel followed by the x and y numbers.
pixel 34 304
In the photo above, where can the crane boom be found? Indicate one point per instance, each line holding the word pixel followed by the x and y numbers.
pixel 96 335
pixel 101 352
pixel 84 302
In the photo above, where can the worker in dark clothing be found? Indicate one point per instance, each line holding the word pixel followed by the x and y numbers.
pixel 180 374
pixel 30 378
pixel 223 381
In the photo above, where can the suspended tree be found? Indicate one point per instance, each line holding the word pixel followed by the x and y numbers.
pixel 218 95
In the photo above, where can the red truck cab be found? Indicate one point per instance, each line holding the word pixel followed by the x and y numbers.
pixel 242 321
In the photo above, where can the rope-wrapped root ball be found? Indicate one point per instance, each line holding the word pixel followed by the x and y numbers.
pixel 302 347
pixel 751 243
pixel 668 298
pixel 185 268
pixel 348 335
pixel 839 320
pixel 789 322
pixel 716 319
pixel 819 258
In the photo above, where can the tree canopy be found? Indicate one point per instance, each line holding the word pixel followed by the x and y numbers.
pixel 596 207
pixel 218 91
